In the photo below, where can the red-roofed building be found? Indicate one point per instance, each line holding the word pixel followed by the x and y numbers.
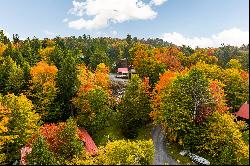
pixel 122 71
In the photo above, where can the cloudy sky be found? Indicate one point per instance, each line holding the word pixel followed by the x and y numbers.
pixel 203 23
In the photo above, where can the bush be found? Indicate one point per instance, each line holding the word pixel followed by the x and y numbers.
pixel 120 152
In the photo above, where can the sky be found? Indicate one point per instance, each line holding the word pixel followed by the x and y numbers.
pixel 203 23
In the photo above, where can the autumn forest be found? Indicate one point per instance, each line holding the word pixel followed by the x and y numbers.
pixel 53 91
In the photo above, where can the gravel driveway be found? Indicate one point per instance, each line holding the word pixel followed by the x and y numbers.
pixel 161 155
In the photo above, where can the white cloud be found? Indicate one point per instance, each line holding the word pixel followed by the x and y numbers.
pixel 232 36
pixel 158 2
pixel 78 8
pixel 110 11
pixel 48 33
pixel 65 20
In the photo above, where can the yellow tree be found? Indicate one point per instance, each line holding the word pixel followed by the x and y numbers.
pixel 43 86
pixel 4 119
pixel 93 98
pixel 18 123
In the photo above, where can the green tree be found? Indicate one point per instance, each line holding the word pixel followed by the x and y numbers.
pixel 134 107
pixel 11 76
pixel 70 143
pixel 40 154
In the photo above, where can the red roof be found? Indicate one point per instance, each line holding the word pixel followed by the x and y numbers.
pixel 123 70
pixel 89 143
pixel 244 111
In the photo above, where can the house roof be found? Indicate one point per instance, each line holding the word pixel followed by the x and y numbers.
pixel 244 111
pixel 123 70
pixel 89 143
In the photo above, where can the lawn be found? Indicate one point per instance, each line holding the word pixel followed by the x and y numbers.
pixel 174 151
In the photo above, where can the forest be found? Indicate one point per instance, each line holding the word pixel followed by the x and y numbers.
pixel 52 89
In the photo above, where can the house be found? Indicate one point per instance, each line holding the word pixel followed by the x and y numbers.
pixel 122 71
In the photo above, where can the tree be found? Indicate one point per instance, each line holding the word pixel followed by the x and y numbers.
pixel 40 154
pixel 43 87
pixel 22 124
pixel 220 129
pixel 70 144
pixel 145 63
pixel 11 76
pixel 4 139
pixel 67 84
pixel 93 98
pixel 120 152
pixel 134 106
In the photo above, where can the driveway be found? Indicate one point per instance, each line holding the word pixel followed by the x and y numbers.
pixel 161 155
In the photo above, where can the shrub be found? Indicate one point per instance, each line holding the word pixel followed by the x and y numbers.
pixel 120 152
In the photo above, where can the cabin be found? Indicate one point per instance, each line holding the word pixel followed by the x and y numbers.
pixel 122 73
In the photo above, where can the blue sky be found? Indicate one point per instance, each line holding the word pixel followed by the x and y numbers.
pixel 192 22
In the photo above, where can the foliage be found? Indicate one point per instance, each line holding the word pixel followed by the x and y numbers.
pixel 121 152
pixel 220 129
pixel 69 141
pixel 145 63
pixel 40 154
pixel 93 98
pixel 234 63
pixel 4 139
pixel 43 86
pixel 194 112
pixel 235 82
pixel 21 125
pixel 134 106
pixel 236 89
pixel 11 76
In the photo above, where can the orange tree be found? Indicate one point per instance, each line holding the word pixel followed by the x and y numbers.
pixel 93 100
pixel 43 88
pixel 145 62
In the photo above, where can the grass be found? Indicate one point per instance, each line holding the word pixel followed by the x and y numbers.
pixel 109 133
pixel 144 133
pixel 174 151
